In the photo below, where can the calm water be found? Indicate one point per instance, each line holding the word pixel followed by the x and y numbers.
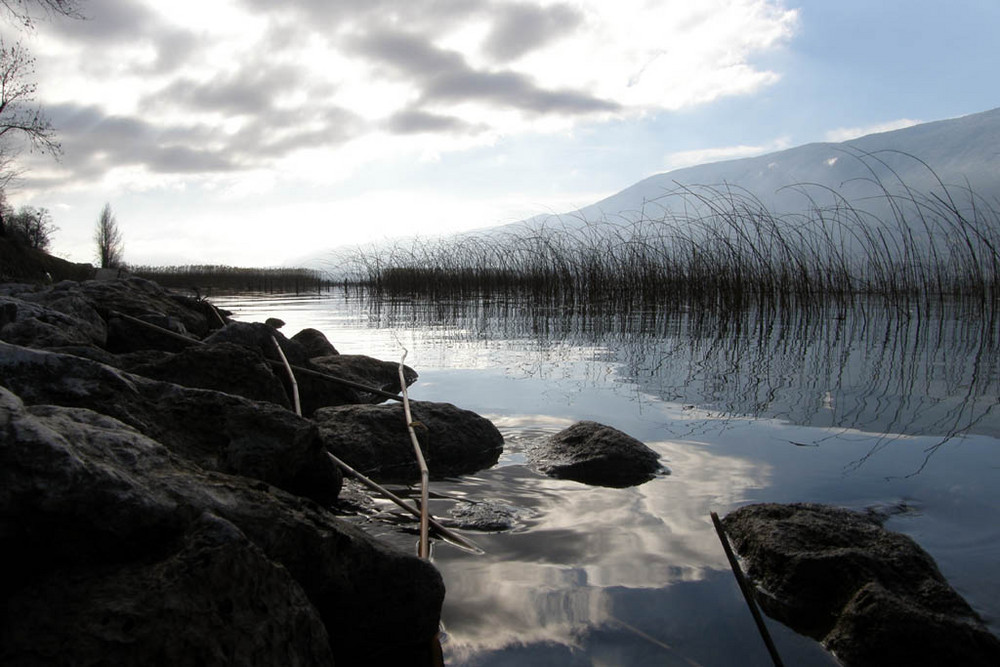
pixel 894 409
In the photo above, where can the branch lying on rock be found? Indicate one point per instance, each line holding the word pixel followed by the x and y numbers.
pixel 298 369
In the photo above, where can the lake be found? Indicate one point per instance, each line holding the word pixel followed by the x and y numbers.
pixel 894 408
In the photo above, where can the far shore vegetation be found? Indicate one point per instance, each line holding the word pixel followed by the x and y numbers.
pixel 205 279
pixel 726 250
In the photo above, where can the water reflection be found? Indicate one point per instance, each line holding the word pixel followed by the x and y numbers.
pixel 836 406
pixel 891 371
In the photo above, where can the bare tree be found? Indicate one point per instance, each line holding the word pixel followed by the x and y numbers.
pixel 110 246
pixel 23 11
pixel 31 226
pixel 19 116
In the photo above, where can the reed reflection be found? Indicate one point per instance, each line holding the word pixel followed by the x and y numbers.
pixel 887 370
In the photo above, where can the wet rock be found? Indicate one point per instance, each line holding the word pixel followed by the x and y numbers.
pixel 315 343
pixel 368 371
pixel 596 454
pixel 274 322
pixel 224 367
pixel 374 440
pixel 125 553
pixel 872 596
pixel 486 515
pixel 218 431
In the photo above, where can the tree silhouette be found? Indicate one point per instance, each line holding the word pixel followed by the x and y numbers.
pixel 110 246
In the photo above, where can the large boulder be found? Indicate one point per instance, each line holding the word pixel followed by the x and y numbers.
pixel 374 440
pixel 30 323
pixel 596 454
pixel 368 371
pixel 315 343
pixel 218 431
pixel 873 597
pixel 314 392
pixel 121 552
pixel 225 367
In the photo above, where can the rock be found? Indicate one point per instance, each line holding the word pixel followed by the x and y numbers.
pixel 596 454
pixel 368 371
pixel 121 552
pixel 315 343
pixel 274 322
pixel 872 596
pixel 314 392
pixel 39 325
pixel 374 440
pixel 225 367
pixel 217 431
pixel 486 515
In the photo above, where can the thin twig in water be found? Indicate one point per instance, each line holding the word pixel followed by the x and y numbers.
pixel 371 484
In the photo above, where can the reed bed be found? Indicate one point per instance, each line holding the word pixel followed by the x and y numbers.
pixel 204 278
pixel 717 246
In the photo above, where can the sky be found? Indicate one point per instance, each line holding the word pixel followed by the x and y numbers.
pixel 259 133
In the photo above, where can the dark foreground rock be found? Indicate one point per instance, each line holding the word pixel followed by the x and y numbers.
pixel 315 343
pixel 367 371
pixel 121 552
pixel 873 597
pixel 218 431
pixel 596 454
pixel 373 439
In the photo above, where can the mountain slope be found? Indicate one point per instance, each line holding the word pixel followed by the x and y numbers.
pixel 961 151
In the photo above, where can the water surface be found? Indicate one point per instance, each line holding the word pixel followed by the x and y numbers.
pixel 860 407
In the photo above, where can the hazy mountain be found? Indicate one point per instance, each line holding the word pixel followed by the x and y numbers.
pixel 961 152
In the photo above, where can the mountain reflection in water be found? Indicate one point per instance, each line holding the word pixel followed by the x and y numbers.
pixel 866 406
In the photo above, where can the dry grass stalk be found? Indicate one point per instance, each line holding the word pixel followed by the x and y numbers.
pixel 424 551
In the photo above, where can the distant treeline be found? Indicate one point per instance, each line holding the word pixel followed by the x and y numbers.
pixel 235 279
pixel 721 247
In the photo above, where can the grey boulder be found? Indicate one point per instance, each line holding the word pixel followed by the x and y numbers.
pixel 873 597
pixel 596 454
pixel 374 440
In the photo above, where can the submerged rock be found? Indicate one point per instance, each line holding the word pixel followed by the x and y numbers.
pixel 873 597
pixel 487 516
pixel 121 552
pixel 374 440
pixel 596 454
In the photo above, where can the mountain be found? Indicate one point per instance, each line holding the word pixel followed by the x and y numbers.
pixel 961 153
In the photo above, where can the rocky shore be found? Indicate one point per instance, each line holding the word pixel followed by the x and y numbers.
pixel 161 501
pixel 163 504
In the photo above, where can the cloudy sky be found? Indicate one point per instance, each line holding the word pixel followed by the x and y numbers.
pixel 254 132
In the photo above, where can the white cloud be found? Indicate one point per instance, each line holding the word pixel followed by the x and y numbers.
pixel 691 158
pixel 847 133
pixel 455 70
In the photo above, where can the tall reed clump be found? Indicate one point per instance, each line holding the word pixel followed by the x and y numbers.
pixel 235 279
pixel 721 246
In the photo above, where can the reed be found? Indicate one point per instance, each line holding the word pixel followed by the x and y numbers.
pixel 205 278
pixel 717 246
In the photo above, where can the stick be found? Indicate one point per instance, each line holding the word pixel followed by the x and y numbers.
pixel 291 377
pixel 747 592
pixel 424 475
pixel 445 532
